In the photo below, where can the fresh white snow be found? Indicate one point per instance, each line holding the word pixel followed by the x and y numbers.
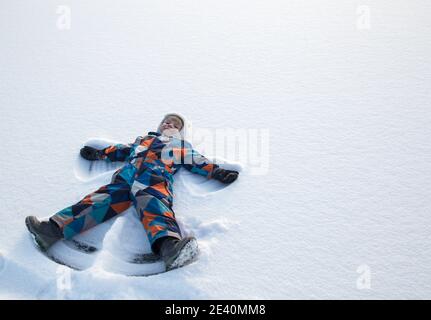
pixel 337 202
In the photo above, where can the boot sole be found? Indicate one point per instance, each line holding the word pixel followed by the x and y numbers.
pixel 34 235
pixel 186 256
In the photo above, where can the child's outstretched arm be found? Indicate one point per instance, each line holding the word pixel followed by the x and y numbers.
pixel 116 152
pixel 197 163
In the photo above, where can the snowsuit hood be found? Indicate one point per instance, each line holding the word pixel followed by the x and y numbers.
pixel 183 130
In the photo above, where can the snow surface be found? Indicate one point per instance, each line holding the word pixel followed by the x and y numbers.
pixel 343 209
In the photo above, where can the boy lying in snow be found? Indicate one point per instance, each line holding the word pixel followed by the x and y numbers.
pixel 145 181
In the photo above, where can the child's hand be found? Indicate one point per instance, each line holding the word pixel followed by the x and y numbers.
pixel 225 176
pixel 91 153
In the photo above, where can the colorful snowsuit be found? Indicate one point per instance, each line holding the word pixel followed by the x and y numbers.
pixel 144 181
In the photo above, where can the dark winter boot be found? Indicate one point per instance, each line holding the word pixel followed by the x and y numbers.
pixel 178 253
pixel 45 233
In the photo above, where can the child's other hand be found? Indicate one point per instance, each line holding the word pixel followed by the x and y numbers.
pixel 225 176
pixel 90 153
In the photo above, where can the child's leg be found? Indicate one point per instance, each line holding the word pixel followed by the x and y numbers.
pixel 156 216
pixel 95 208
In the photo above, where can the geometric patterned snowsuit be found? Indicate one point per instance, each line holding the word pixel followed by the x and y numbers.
pixel 145 181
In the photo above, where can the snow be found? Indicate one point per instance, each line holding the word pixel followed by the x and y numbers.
pixel 340 186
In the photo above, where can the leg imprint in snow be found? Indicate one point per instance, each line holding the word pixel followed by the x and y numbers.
pixel 87 170
pixel 119 245
pixel 80 252
pixel 127 250
pixel 128 241
pixel 124 250
pixel 67 255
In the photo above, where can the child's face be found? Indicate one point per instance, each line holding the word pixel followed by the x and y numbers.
pixel 171 123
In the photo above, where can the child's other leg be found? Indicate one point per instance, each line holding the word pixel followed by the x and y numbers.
pixel 95 208
pixel 157 217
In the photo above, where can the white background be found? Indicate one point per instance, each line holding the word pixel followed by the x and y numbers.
pixel 348 111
